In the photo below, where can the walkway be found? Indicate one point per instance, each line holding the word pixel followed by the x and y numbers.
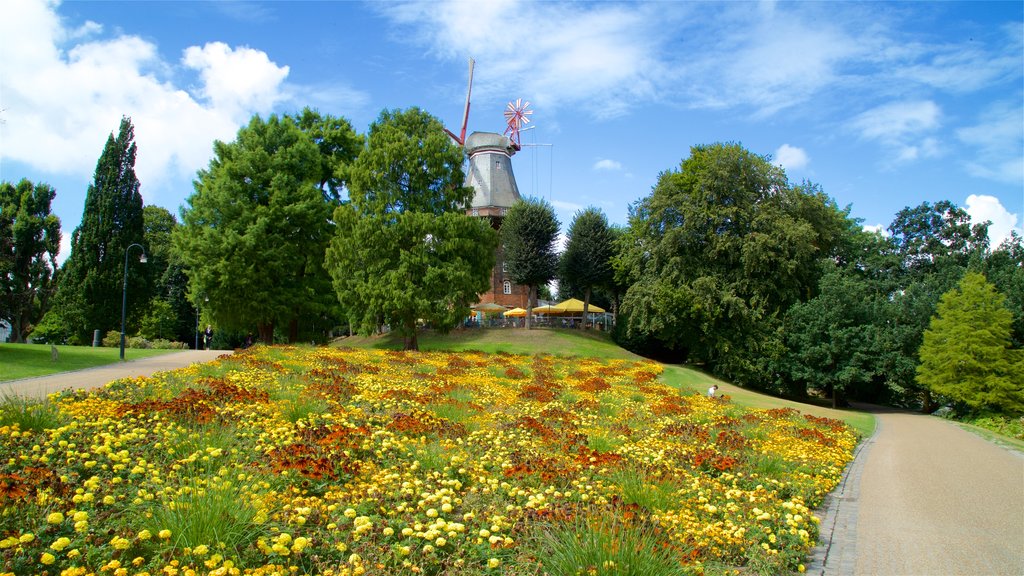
pixel 925 497
pixel 41 386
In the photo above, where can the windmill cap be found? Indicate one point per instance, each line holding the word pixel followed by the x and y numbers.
pixel 489 142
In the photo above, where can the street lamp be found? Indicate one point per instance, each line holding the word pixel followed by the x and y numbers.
pixel 124 291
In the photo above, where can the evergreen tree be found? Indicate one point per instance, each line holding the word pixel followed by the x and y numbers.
pixel 89 292
pixel 171 316
pixel 966 354
pixel 586 263
pixel 405 250
pixel 528 235
pixel 253 237
pixel 29 243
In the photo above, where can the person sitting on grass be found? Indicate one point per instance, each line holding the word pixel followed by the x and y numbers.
pixel 712 390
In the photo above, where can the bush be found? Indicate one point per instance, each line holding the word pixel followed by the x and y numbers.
pixel 113 340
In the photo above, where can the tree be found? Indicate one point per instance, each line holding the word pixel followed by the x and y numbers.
pixel 404 249
pixel 586 262
pixel 528 235
pixel 89 291
pixel 29 243
pixel 717 253
pixel 1005 269
pixel 339 146
pixel 835 341
pixel 966 353
pixel 176 320
pixel 253 236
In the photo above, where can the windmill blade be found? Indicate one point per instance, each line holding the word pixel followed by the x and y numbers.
pixel 465 113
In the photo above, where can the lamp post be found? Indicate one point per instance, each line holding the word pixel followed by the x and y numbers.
pixel 124 291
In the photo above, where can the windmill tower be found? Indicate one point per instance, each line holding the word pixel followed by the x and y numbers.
pixel 490 176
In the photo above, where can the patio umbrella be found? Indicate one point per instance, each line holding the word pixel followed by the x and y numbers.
pixel 547 309
pixel 488 307
pixel 575 305
pixel 515 313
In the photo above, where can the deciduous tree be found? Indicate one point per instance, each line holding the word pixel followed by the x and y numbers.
pixel 528 235
pixel 29 243
pixel 404 249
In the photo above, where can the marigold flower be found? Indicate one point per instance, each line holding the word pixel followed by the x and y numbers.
pixel 47 558
pixel 54 518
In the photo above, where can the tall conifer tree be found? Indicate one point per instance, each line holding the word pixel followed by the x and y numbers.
pixel 89 293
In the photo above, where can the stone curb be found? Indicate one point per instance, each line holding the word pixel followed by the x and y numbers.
pixel 836 552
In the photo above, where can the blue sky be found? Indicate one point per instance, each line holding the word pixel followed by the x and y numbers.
pixel 885 105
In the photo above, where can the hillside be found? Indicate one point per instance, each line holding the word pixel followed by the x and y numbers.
pixel 563 342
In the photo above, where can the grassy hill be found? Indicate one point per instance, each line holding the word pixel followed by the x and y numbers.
pixel 564 342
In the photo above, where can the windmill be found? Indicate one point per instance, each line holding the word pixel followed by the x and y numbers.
pixel 490 176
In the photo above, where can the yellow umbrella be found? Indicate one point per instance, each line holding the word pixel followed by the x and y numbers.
pixel 515 313
pixel 575 305
pixel 547 309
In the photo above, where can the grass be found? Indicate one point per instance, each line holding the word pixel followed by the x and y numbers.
pixel 566 342
pixel 556 341
pixel 30 360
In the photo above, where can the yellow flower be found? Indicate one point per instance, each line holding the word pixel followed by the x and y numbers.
pixel 47 558
pixel 55 518
pixel 200 550
pixel 164 534
pixel 60 544
pixel 80 516
pixel 26 538
pixel 493 563
pixel 145 535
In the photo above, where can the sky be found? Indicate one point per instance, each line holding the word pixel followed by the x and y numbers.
pixel 884 105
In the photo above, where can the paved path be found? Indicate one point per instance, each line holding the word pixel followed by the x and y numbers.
pixel 925 497
pixel 41 386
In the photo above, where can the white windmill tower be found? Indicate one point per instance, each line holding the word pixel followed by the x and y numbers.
pixel 490 175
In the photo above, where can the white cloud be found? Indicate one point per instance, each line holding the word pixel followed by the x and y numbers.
pixel 983 208
pixel 904 128
pixel 877 228
pixel 791 157
pixel 998 142
pixel 570 207
pixel 51 71
pixel 606 164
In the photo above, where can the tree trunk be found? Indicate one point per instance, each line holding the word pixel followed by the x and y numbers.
pixel 529 306
pixel 266 332
pixel 586 306
pixel 293 330
pixel 410 340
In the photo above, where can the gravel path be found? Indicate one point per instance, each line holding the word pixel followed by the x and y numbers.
pixel 925 497
pixel 41 386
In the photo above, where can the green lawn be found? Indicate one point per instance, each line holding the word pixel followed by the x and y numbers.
pixel 564 342
pixel 28 360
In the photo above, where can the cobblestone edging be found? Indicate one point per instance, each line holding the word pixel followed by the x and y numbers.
pixel 836 552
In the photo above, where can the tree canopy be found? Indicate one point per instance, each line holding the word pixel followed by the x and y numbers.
pixel 586 263
pixel 253 235
pixel 404 250
pixel 29 243
pixel 717 252
pixel 528 235
pixel 966 355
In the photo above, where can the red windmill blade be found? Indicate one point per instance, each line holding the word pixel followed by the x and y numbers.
pixel 517 115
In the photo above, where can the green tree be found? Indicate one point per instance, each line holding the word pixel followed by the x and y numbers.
pixel 966 353
pixel 167 278
pixel 89 290
pixel 405 250
pixel 1005 269
pixel 528 235
pixel 586 262
pixel 717 253
pixel 253 236
pixel 339 145
pixel 29 243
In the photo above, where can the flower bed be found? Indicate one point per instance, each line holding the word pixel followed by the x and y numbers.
pixel 313 460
